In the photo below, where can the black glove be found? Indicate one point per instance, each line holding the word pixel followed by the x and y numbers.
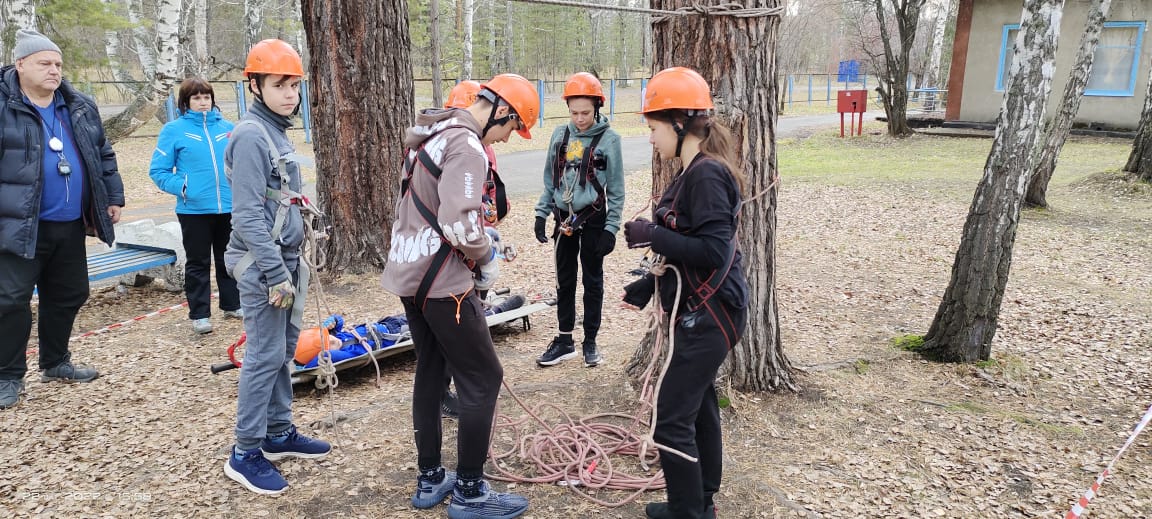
pixel 638 233
pixel 607 243
pixel 540 236
pixel 639 292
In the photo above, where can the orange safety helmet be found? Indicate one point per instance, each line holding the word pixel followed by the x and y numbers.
pixel 677 88
pixel 310 343
pixel 583 84
pixel 521 95
pixel 273 56
pixel 463 94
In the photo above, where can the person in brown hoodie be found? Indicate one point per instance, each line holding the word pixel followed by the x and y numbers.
pixel 439 258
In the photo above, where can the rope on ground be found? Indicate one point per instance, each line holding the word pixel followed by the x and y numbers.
pixel 580 453
pixel 1079 507
pixel 729 9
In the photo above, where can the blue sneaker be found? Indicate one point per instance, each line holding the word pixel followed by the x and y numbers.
pixel 486 505
pixel 429 494
pixel 255 472
pixel 294 445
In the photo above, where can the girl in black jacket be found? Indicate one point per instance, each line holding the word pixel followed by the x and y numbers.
pixel 694 229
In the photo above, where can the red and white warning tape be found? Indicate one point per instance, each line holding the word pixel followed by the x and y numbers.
pixel 134 319
pixel 1079 507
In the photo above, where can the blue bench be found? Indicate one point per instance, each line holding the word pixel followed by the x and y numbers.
pixel 127 258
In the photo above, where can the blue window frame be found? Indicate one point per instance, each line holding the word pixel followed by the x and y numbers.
pixel 1116 65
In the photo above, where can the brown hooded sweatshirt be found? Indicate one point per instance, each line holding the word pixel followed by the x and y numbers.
pixel 451 138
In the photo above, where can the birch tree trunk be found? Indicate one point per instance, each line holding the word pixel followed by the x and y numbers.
pixel 361 93
pixel 434 26
pixel 141 38
pixel 253 22
pixel 17 14
pixel 1140 160
pixel 1056 130
pixel 932 74
pixel 148 100
pixel 112 50
pixel 966 321
pixel 466 66
pixel 199 19
pixel 893 86
pixel 509 38
pixel 737 56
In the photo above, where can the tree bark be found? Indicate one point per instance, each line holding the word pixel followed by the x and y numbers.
pixel 932 75
pixel 202 62
pixel 966 320
pixel 17 14
pixel 141 38
pixel 737 57
pixel 361 105
pixel 466 68
pixel 1140 160
pixel 893 86
pixel 1056 131
pixel 253 21
pixel 434 26
pixel 160 77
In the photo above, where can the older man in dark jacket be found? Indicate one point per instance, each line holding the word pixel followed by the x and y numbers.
pixel 58 182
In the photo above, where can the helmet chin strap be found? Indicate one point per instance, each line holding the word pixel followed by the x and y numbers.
pixel 492 120
pixel 680 134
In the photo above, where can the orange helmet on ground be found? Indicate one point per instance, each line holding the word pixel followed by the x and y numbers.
pixel 310 343
pixel 583 84
pixel 273 56
pixel 677 88
pixel 463 94
pixel 520 94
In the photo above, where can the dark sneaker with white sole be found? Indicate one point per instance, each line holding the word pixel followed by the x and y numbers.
pixel 429 492
pixel 559 350
pixel 485 504
pixel 294 445
pixel 592 357
pixel 255 472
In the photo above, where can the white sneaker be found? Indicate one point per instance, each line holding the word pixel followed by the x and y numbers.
pixel 235 314
pixel 202 326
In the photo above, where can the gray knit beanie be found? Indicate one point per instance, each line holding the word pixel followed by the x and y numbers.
pixel 30 42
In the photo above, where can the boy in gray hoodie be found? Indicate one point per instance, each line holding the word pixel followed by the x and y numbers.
pixel 263 256
pixel 440 257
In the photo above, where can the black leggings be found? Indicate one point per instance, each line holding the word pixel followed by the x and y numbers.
pixel 688 413
pixel 464 351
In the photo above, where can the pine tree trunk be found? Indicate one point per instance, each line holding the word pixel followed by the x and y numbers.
pixel 737 57
pixel 1140 160
pixel 509 37
pixel 1056 131
pixel 966 321
pixel 361 104
pixel 434 26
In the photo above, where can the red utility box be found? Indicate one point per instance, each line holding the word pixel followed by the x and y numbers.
pixel 852 102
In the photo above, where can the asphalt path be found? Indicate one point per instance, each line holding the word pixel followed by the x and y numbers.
pixel 523 171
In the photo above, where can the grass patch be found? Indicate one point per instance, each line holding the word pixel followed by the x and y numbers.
pixel 908 342
pixel 875 157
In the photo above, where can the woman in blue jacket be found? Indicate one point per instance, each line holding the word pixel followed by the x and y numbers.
pixel 189 163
